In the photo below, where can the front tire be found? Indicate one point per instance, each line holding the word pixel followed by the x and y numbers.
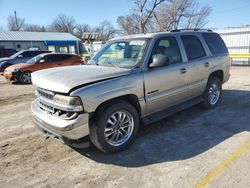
pixel 25 78
pixel 212 93
pixel 115 126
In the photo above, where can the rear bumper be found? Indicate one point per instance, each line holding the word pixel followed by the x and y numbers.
pixel 59 128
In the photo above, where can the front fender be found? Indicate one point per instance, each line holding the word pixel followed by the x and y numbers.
pixel 94 95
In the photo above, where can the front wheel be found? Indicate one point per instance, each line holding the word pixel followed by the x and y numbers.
pixel 25 77
pixel 115 126
pixel 212 93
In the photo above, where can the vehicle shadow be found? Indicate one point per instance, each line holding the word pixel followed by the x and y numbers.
pixel 18 83
pixel 184 134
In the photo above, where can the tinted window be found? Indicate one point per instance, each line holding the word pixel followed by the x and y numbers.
pixel 168 46
pixel 53 58
pixel 193 47
pixel 215 43
pixel 31 53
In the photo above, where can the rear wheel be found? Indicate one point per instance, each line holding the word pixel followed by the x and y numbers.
pixel 212 93
pixel 115 126
pixel 25 77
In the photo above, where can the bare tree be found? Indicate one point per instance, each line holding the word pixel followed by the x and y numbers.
pixel 181 14
pixel 198 19
pixel 170 14
pixel 34 28
pixel 106 30
pixel 63 23
pixel 129 24
pixel 145 9
pixel 15 23
pixel 80 29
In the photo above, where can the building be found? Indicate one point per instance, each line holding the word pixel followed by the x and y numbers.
pixel 237 40
pixel 52 41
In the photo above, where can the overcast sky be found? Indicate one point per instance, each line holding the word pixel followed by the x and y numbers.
pixel 225 12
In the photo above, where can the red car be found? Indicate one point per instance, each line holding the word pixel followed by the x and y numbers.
pixel 22 72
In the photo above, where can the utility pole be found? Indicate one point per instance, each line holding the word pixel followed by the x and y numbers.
pixel 16 20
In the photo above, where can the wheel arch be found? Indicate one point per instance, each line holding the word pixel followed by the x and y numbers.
pixel 130 98
pixel 219 74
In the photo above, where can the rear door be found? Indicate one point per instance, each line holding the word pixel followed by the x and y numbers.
pixel 198 66
pixel 166 86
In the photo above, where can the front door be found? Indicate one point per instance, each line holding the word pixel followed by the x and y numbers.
pixel 166 86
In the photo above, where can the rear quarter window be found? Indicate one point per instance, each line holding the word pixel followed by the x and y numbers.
pixel 215 43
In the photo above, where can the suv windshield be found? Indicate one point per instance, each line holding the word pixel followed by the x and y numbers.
pixel 125 53
pixel 35 59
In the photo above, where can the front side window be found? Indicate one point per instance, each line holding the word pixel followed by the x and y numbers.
pixel 168 47
pixel 34 60
pixel 193 47
pixel 125 54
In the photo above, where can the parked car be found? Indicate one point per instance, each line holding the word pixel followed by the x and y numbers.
pixel 22 72
pixel 19 57
pixel 6 52
pixel 132 79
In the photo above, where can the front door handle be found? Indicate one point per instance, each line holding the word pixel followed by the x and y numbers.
pixel 183 70
pixel 207 64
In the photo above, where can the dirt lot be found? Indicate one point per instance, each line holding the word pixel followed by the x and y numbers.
pixel 192 146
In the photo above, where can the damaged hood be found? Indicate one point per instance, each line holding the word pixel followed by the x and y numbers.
pixel 64 79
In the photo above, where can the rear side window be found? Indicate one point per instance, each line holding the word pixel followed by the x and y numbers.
pixel 28 54
pixel 193 47
pixel 215 43
pixel 53 58
pixel 31 53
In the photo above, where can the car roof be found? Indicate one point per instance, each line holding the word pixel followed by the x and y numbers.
pixel 151 35
pixel 53 53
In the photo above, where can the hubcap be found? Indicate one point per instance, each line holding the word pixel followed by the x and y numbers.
pixel 214 94
pixel 26 77
pixel 119 128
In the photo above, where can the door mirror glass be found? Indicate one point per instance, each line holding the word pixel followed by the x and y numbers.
pixel 20 56
pixel 159 60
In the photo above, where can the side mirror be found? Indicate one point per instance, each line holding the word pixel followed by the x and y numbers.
pixel 20 56
pixel 42 61
pixel 159 60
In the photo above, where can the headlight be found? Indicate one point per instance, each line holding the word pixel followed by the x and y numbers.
pixel 67 100
pixel 15 70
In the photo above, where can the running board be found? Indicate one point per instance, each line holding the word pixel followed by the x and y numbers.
pixel 171 110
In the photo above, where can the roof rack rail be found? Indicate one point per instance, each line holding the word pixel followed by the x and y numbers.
pixel 179 30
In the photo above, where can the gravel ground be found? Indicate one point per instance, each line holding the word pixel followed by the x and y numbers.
pixel 175 152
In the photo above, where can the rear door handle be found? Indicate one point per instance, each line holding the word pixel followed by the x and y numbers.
pixel 183 70
pixel 207 64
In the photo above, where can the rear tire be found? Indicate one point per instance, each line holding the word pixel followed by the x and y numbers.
pixel 25 77
pixel 212 93
pixel 115 126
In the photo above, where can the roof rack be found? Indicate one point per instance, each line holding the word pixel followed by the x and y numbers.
pixel 179 30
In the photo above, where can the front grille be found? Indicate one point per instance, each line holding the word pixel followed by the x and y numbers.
pixel 46 107
pixel 45 93
pixel 42 95
pixel 45 101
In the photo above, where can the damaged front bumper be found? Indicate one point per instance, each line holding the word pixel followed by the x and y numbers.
pixel 67 131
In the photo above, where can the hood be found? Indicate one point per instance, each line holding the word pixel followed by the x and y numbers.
pixel 64 79
pixel 17 66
